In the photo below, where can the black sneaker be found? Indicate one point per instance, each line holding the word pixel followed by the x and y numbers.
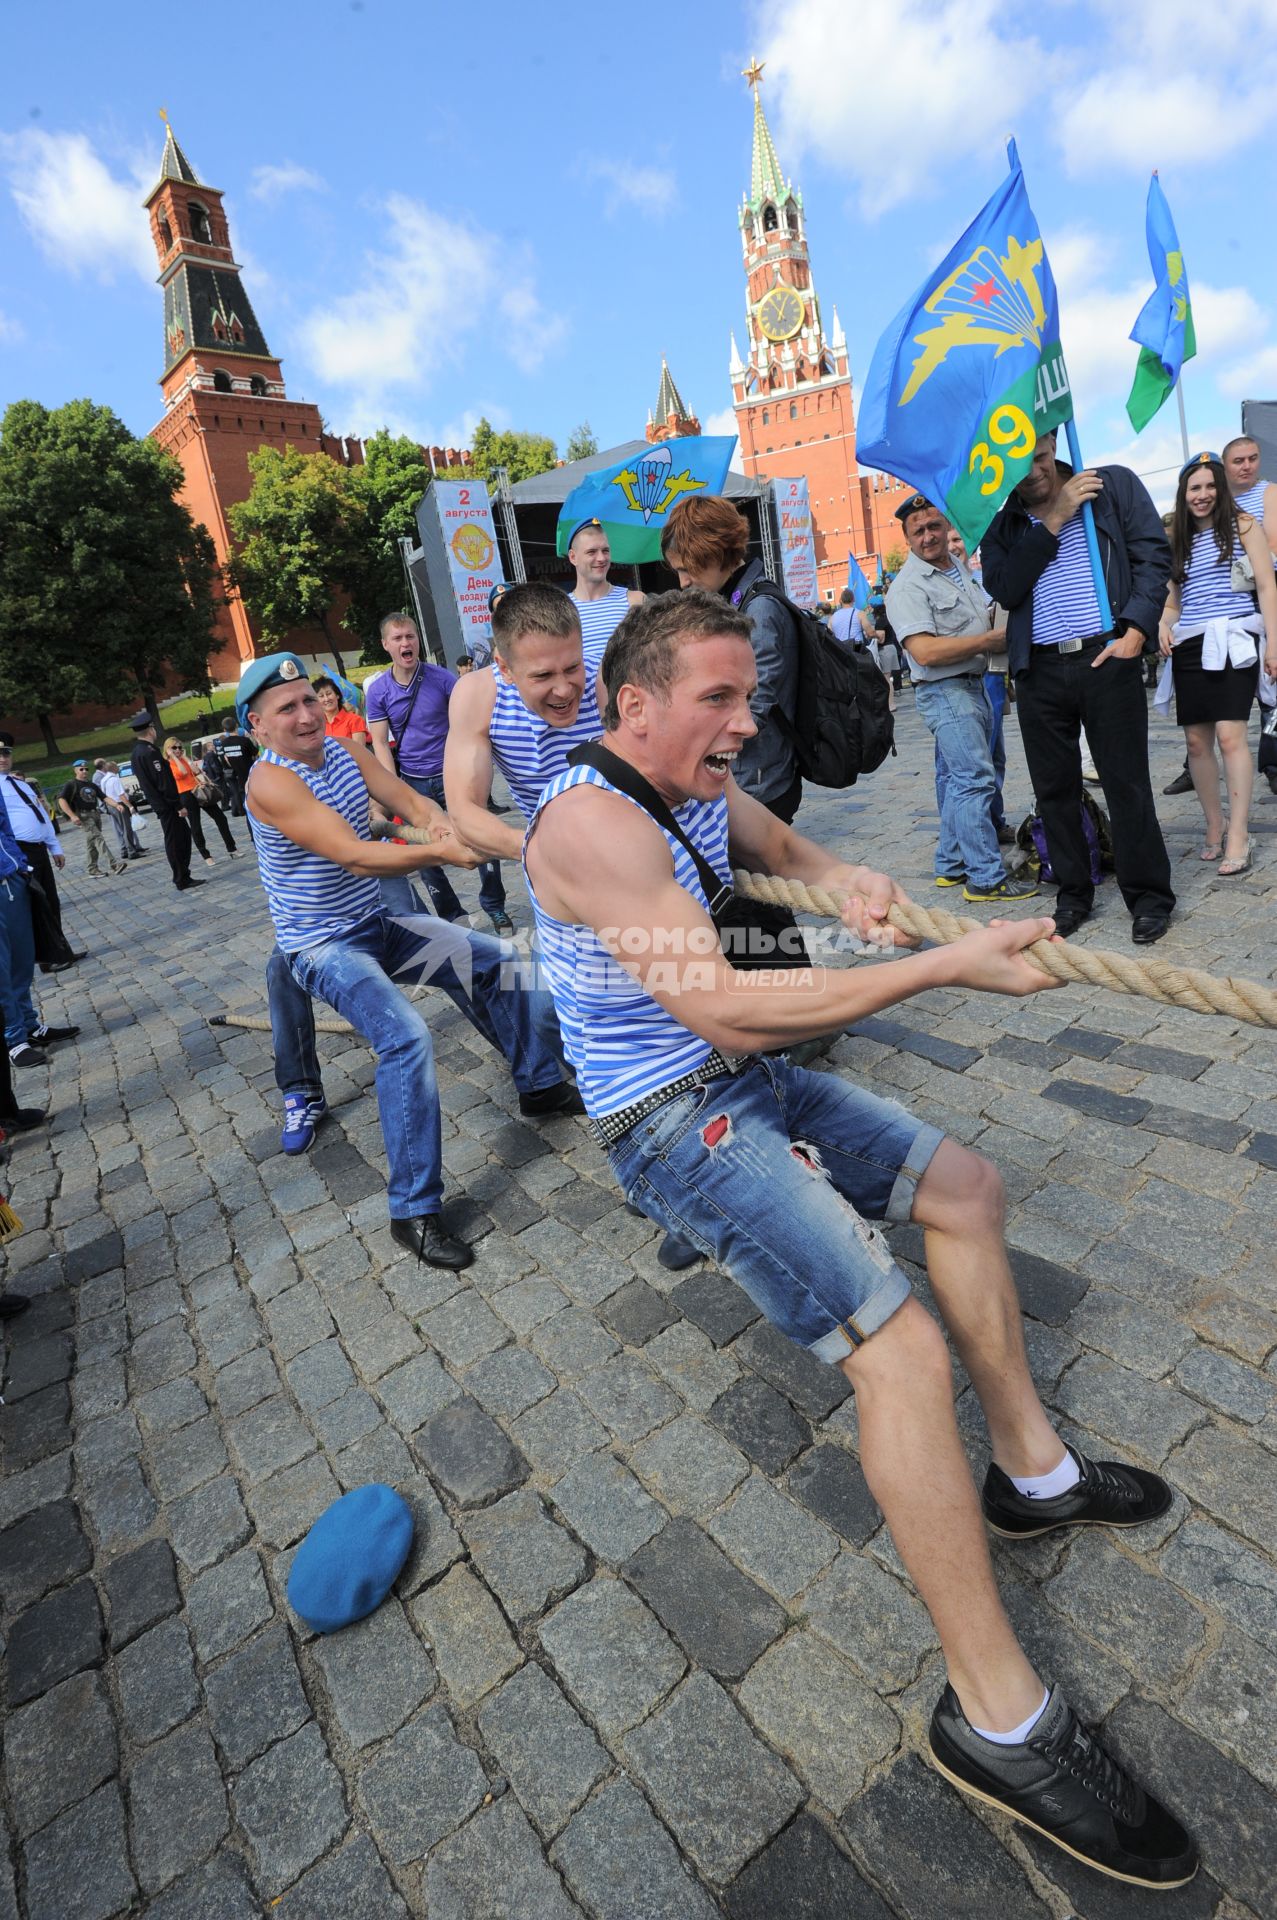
pixel 426 1236
pixel 1008 889
pixel 1182 783
pixel 1107 1495
pixel 47 1036
pixel 951 879
pixel 1061 1783
pixel 25 1055
pixel 562 1097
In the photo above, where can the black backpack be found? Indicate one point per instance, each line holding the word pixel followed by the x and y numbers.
pixel 842 725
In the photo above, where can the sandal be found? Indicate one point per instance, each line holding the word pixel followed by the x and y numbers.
pixel 1229 869
pixel 1212 850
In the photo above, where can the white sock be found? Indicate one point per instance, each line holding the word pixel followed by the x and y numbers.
pixel 1048 1486
pixel 1018 1735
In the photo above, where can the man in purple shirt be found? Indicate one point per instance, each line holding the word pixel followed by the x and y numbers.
pixel 409 705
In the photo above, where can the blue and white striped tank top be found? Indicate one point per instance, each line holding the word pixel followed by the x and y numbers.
pixel 1252 502
pixel 529 751
pixel 1064 602
pixel 1208 592
pixel 621 1041
pixel 600 619
pixel 312 899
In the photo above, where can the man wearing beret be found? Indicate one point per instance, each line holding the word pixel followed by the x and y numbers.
pixel 309 799
pixel 155 777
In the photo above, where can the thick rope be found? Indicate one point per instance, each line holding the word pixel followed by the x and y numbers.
pixel 1151 979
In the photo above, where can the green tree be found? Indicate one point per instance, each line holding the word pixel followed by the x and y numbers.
pixel 389 489
pixel 521 454
pixel 106 583
pixel 582 442
pixel 302 536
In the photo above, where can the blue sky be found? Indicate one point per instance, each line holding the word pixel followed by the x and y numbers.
pixel 451 210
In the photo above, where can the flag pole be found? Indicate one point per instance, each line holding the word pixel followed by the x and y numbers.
pixel 1092 542
pixel 1183 423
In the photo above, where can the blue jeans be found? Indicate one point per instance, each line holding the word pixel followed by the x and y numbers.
pixel 995 685
pixel 17 961
pixel 292 1028
pixel 357 974
pixel 438 885
pixel 774 1174
pixel 958 714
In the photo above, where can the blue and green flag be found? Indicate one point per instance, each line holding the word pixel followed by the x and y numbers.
pixel 970 372
pixel 632 500
pixel 1164 331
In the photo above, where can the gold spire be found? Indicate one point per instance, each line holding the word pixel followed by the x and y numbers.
pixel 753 73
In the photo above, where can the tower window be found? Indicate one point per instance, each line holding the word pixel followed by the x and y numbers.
pixel 257 385
pixel 166 233
pixel 770 222
pixel 792 218
pixel 793 409
pixel 200 229
pixel 766 417
pixel 219 327
pixel 221 380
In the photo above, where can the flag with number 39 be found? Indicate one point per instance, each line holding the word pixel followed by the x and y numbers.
pixel 970 372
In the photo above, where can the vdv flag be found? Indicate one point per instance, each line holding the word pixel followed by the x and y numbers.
pixel 632 500
pixel 970 372
pixel 350 693
pixel 1164 331
pixel 857 582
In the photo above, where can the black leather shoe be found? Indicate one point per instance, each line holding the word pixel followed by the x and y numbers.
pixel 49 1036
pixel 1061 1783
pixel 23 1119
pixel 1148 927
pixel 675 1254
pixel 1182 783
pixel 12 1304
pixel 562 1097
pixel 1107 1495
pixel 1069 919
pixel 425 1237
pixel 184 886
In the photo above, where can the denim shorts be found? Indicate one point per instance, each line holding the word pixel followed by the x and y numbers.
pixel 776 1174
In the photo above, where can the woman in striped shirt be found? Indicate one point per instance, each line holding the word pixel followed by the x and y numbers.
pixel 1209 631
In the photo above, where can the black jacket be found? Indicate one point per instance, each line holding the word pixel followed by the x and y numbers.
pixel 1134 552
pixel 155 777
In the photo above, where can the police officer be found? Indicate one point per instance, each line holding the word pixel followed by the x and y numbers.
pixel 155 777
pixel 237 753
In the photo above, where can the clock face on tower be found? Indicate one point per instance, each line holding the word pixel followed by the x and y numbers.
pixel 780 313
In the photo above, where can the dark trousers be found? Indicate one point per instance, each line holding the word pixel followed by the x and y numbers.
pixel 1267 761
pixel 194 808
pixel 1058 696
pixel 177 845
pixel 58 947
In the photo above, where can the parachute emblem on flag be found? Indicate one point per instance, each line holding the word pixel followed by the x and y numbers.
pixel 991 301
pixel 1175 274
pixel 651 485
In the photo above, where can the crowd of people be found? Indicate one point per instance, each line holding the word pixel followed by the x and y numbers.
pixel 642 741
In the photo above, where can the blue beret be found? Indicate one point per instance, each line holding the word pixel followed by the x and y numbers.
pixel 271 671
pixel 592 520
pixel 351 1557
pixel 502 586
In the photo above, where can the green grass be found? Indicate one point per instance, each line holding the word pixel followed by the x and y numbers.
pixel 115 742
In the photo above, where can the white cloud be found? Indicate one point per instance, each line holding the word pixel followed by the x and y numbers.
pixel 724 422
pixel 432 288
pixel 11 330
pixel 1252 377
pixel 271 183
pixel 650 190
pixel 848 81
pixel 80 214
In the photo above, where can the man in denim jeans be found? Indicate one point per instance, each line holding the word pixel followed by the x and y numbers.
pixel 942 618
pixel 309 800
pixel 779 1174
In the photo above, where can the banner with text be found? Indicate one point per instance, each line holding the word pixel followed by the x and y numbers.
pixel 797 541
pixel 469 536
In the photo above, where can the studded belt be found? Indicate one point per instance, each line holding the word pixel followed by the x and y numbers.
pixel 608 1128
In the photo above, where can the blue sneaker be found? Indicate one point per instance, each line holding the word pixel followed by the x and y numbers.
pixel 301 1116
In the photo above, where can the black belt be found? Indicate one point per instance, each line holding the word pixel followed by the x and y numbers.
pixel 608 1128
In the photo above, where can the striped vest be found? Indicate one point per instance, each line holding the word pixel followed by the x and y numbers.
pixel 1208 592
pixel 1064 602
pixel 1252 502
pixel 312 899
pixel 600 619
pixel 621 1041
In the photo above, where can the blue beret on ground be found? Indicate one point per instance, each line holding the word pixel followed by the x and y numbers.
pixel 272 670
pixel 350 1559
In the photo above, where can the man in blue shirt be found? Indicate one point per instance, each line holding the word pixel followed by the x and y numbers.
pixel 409 706
pixel 25 1033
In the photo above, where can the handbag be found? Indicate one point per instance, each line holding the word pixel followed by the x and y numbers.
pixel 1242 574
pixel 751 933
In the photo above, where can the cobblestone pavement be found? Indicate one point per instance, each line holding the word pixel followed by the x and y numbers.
pixel 652 1657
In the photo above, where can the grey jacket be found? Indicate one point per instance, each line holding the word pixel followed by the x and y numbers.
pixel 765 766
